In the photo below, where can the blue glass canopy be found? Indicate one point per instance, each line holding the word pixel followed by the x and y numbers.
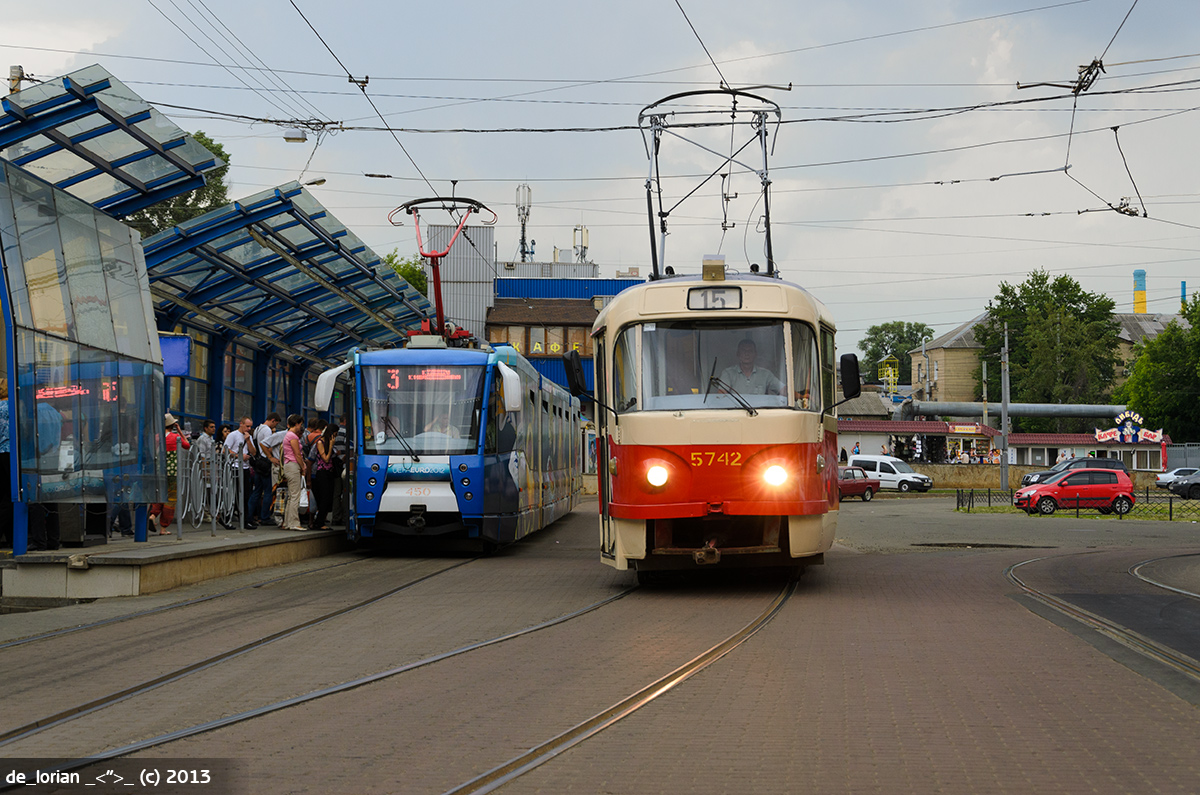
pixel 278 268
pixel 90 135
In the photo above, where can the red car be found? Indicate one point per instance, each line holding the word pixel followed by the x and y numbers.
pixel 854 482
pixel 1105 490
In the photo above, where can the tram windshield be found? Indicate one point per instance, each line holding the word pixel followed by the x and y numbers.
pixel 702 364
pixel 422 409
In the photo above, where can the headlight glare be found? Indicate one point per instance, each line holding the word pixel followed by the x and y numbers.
pixel 775 475
pixel 656 475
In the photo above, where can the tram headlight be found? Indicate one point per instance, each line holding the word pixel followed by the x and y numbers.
pixel 656 475
pixel 775 475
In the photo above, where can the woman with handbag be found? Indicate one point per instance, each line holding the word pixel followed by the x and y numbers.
pixel 323 478
pixel 293 471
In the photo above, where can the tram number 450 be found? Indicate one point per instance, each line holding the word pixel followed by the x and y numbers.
pixel 713 458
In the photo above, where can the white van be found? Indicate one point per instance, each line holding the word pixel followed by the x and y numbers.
pixel 892 472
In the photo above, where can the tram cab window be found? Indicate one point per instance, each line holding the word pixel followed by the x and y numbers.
pixel 703 364
pixel 806 368
pixel 421 408
pixel 625 370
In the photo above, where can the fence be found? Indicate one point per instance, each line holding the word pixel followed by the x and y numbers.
pixel 1183 455
pixel 1149 503
pixel 209 489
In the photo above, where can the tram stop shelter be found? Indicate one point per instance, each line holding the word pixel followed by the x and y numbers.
pixel 84 299
pixel 82 384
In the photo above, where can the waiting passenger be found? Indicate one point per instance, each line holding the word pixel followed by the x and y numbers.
pixel 746 377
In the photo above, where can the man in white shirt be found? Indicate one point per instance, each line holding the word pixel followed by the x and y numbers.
pixel 260 498
pixel 241 446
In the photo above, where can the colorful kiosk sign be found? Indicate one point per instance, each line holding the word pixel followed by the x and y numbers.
pixel 1129 430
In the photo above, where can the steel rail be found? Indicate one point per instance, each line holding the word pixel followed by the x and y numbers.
pixel 164 608
pixel 1136 571
pixel 1123 635
pixel 538 755
pixel 328 691
pixel 58 718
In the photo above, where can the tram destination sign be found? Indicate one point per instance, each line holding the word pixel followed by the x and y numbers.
pixel 715 298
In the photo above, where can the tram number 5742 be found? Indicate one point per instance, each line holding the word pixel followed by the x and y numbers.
pixel 712 458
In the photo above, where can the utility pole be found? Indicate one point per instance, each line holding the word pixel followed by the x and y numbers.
pixel 15 75
pixel 985 385
pixel 1004 412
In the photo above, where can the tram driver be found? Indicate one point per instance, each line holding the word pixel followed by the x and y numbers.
pixel 748 378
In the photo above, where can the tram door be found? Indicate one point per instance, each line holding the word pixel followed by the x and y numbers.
pixel 604 426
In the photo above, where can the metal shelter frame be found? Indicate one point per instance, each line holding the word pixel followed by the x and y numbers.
pixel 279 268
pixel 88 134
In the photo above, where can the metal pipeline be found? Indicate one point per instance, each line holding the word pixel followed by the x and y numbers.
pixel 932 408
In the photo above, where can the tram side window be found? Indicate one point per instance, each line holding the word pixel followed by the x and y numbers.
pixel 625 371
pixel 807 368
pixel 827 357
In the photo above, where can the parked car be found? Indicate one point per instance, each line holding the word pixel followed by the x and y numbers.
pixel 1165 479
pixel 1105 490
pixel 892 472
pixel 1188 488
pixel 1074 463
pixel 855 482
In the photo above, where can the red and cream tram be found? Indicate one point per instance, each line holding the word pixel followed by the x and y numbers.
pixel 717 443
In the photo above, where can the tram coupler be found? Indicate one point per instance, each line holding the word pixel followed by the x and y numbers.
pixel 708 554
pixel 416 519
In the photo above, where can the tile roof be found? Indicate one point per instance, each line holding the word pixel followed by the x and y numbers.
pixel 535 311
pixel 1079 439
pixel 908 427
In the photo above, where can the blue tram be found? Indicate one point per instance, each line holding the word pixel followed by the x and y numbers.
pixel 455 443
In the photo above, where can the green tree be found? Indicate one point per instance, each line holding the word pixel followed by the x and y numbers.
pixel 891 339
pixel 411 270
pixel 177 209
pixel 1164 385
pixel 1062 346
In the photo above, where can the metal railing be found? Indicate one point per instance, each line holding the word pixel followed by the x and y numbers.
pixel 1149 503
pixel 210 489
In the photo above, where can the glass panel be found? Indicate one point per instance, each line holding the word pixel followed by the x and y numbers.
pixel 199 366
pixel 577 339
pixel 124 289
pixel 10 254
pixel 175 388
pixel 149 169
pixel 56 419
pixel 85 274
pixel 625 370
pixel 827 367
pixel 58 166
pixel 497 333
pixel 806 370
pixel 713 364
pixel 537 341
pixel 99 187
pixel 422 409
pixel 45 272
pixel 196 398
pixel 554 340
pixel 516 338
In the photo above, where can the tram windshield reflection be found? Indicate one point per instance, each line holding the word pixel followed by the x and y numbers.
pixel 424 409
pixel 700 364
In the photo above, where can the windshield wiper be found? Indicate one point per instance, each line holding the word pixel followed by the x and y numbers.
pixel 711 377
pixel 734 394
pixel 392 425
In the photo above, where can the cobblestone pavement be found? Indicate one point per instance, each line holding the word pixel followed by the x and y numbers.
pixel 885 673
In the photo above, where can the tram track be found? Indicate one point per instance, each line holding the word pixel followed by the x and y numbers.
pixel 166 608
pixel 1110 629
pixel 64 716
pixel 544 752
pixel 268 709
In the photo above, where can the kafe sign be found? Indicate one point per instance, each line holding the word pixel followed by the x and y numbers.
pixel 1129 430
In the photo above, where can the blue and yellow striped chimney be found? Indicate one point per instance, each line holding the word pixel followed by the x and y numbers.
pixel 1139 291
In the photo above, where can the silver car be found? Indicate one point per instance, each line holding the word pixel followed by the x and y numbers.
pixel 1188 488
pixel 1167 478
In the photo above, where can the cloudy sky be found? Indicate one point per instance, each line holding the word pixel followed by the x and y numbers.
pixel 886 202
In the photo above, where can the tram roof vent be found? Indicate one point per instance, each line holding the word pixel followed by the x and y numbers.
pixel 713 267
